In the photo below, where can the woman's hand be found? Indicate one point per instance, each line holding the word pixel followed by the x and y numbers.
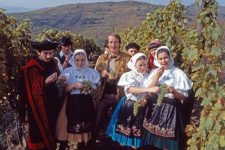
pixel 170 89
pixel 104 74
pixel 175 93
pixel 159 72
pixel 154 89
pixel 52 78
pixel 78 85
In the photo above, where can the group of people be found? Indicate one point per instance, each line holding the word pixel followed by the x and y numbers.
pixel 119 80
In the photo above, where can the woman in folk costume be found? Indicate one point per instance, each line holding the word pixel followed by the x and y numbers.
pixel 77 116
pixel 124 127
pixel 163 126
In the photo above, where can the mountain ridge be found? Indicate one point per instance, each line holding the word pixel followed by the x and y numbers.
pixel 94 20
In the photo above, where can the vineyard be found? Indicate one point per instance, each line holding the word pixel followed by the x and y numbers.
pixel 197 50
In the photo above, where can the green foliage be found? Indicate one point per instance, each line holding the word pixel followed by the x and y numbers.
pixel 166 24
pixel 199 48
pixel 203 50
pixel 14 49
pixel 163 90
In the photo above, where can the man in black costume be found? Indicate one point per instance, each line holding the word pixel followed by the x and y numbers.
pixel 65 54
pixel 38 96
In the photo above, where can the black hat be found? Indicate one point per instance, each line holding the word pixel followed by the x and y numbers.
pixel 44 45
pixel 65 41
pixel 132 45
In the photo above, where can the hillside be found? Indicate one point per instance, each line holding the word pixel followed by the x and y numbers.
pixel 94 20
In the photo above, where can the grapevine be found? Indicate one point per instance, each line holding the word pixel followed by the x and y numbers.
pixel 163 91
pixel 137 105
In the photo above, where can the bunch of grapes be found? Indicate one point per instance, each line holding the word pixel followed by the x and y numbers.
pixel 113 73
pixel 137 105
pixel 163 90
pixel 60 85
pixel 87 86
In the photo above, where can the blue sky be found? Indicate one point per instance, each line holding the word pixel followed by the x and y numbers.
pixel 53 3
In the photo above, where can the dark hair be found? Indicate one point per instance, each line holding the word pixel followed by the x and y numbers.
pixel 115 35
pixel 163 50
pixel 141 58
pixel 132 45
pixel 66 41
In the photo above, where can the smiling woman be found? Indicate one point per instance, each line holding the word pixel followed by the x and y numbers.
pixel 163 58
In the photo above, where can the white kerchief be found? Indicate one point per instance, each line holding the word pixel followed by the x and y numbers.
pixel 71 61
pixel 132 62
pixel 156 63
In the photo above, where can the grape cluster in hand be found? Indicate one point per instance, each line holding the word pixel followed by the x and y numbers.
pixel 87 86
pixel 163 90
pixel 60 86
pixel 137 105
pixel 113 73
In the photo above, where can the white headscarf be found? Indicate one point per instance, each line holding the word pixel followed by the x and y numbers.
pixel 132 62
pixel 156 63
pixel 71 61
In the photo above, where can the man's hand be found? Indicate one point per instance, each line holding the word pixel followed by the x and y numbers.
pixel 104 74
pixel 52 78
pixel 65 64
pixel 68 58
pixel 62 78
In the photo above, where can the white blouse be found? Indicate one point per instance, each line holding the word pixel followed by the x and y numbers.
pixel 74 75
pixel 130 79
pixel 175 78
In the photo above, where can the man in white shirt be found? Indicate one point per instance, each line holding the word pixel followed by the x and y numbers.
pixel 64 56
